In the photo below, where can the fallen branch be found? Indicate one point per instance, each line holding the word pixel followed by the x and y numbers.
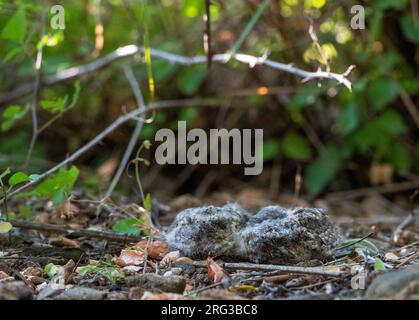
pixel 105 235
pixel 370 191
pixel 131 50
pixel 271 267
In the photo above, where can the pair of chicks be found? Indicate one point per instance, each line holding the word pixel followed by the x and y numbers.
pixel 274 235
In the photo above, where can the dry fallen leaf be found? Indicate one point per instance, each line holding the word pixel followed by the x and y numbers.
pixel 62 241
pixel 390 256
pixel 215 271
pixel 130 258
pixel 381 173
pixel 155 249
pixel 67 210
pixel 170 257
pixel 162 296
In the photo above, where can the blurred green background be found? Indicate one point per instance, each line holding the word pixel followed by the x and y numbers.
pixel 336 139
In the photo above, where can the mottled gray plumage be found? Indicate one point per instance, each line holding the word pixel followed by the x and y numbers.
pixel 274 235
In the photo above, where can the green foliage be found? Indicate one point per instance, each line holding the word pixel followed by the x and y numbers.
pixel 54 106
pixel 379 265
pixel 381 92
pixel 51 269
pixel 10 115
pixel 191 78
pixel 410 28
pixel 58 187
pixel 17 178
pixel 296 147
pixel 319 173
pixel 16 28
pixel 270 149
pixel 128 226
pixel 108 269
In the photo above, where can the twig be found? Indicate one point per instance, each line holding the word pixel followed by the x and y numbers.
pixel 38 65
pixel 114 125
pixel 355 242
pixel 410 106
pixel 131 50
pixel 106 235
pixel 272 267
pixel 135 134
pixel 405 223
pixel 364 192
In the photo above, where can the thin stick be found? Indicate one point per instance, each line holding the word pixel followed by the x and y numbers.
pixel 137 130
pixel 114 125
pixel 410 106
pixel 364 192
pixel 272 267
pixel 106 235
pixel 131 50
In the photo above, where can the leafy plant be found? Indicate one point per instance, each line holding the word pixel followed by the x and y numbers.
pixel 58 187
pixel 108 269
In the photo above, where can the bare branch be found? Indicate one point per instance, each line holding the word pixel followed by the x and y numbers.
pixel 286 269
pixel 131 50
pixel 137 130
pixel 114 125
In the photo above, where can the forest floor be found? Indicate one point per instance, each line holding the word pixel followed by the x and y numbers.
pixel 71 252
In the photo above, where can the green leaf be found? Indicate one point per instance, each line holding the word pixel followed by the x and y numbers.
pixel 18 177
pixel 25 212
pixel 4 173
pixel 296 147
pixel 51 269
pixel 87 269
pixel 382 92
pixel 379 265
pixel 364 244
pixel 191 78
pixel 6 125
pixel 319 173
pixel 58 187
pixel 16 27
pixel 147 202
pixel 270 150
pixel 348 120
pixel 410 28
pixel 5 227
pixel 399 157
pixel 12 53
pixel 127 226
pixel 34 177
pixel 12 112
pixel 391 122
pixel 187 114
pixel 54 106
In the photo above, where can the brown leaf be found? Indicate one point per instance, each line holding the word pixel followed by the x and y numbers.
pixel 162 296
pixel 170 257
pixel 107 169
pixel 62 241
pixel 381 173
pixel 215 271
pixel 130 257
pixel 67 210
pixel 155 249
